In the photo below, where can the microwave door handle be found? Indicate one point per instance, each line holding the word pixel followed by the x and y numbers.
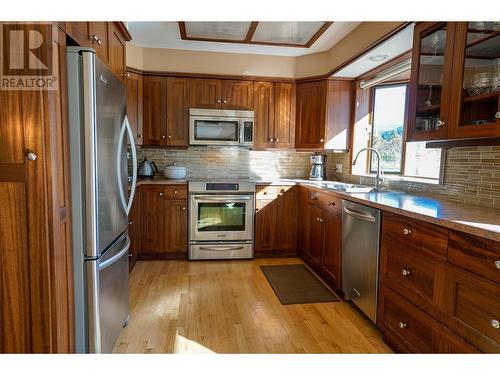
pixel 242 131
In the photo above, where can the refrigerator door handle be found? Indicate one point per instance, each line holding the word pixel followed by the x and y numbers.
pixel 116 257
pixel 126 128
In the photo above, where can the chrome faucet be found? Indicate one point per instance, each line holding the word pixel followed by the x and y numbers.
pixel 380 174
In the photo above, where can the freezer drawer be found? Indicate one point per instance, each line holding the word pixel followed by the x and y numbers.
pixel 360 256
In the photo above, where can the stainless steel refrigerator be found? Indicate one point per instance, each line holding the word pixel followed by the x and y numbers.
pixel 101 199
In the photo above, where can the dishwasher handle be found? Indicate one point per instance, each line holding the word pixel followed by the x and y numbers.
pixel 359 215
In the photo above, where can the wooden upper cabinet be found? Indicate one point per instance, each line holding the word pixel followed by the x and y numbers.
pixel 284 117
pixel 475 100
pixel 324 113
pixel 177 111
pixel 99 33
pixel 237 95
pixel 430 83
pixel 264 114
pixel 117 57
pixel 155 110
pixel 79 32
pixel 205 93
pixel 135 105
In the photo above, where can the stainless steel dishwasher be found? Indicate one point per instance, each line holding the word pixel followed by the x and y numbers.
pixel 360 250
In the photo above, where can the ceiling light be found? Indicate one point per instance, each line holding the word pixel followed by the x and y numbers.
pixel 378 58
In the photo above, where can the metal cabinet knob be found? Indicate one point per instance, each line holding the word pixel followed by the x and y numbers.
pixel 321 220
pixel 139 135
pixel 497 115
pixel 161 194
pixel 497 264
pixel 439 123
pixel 331 204
pixel 276 140
pixel 163 137
pixel 183 208
pixel 402 325
pixel 129 223
pixel 405 272
pixel 317 219
pixel 95 39
pixel 225 101
pixel 126 75
pixel 218 101
pixel 130 255
pixel 175 191
pixel 495 323
pixel 313 197
pixel 406 231
pixel 169 136
pixel 280 194
pixel 270 139
pixel 31 156
pixel 321 140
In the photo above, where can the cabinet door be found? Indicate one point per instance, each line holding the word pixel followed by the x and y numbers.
pixel 79 32
pixel 153 219
pixel 332 247
pixel 134 105
pixel 155 111
pixel 265 225
pixel 475 105
pixel 340 100
pixel 311 108
pixel 177 111
pixel 135 229
pixel 304 222
pixel 237 95
pixel 99 38
pixel 315 234
pixel 287 219
pixel 429 94
pixel 176 226
pixel 117 51
pixel 284 118
pixel 205 93
pixel 263 93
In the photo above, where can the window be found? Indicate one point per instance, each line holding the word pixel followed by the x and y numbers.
pixel 410 159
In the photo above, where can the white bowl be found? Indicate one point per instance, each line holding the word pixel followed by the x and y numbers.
pixel 174 172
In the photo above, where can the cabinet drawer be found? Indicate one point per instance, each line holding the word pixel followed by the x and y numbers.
pixel 414 277
pixel 330 203
pixel 415 236
pixel 412 330
pixel 472 308
pixel 176 192
pixel 475 254
pixel 269 192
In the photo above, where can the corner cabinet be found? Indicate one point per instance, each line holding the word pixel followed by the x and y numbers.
pixel 324 114
pixel 455 81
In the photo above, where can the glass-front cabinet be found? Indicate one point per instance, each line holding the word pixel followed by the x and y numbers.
pixel 430 82
pixel 475 109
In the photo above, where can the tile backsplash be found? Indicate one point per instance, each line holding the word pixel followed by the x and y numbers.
pixel 231 162
pixel 472 175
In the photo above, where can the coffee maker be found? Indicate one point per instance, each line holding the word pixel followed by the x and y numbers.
pixel 318 168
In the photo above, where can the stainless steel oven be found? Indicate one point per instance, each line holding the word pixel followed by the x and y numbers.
pixel 218 127
pixel 221 219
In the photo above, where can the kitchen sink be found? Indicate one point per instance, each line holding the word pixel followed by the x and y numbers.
pixel 349 188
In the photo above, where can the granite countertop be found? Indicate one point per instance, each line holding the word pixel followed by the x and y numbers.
pixel 476 220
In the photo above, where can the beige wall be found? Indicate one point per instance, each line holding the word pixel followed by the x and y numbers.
pixel 161 59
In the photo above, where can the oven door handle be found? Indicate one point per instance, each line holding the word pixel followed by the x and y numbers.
pixel 221 248
pixel 227 199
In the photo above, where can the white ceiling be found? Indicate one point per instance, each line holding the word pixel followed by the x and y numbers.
pixel 167 35
pixel 392 47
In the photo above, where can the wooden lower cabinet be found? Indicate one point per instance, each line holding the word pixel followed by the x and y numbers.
pixel 276 220
pixel 135 228
pixel 164 221
pixel 410 330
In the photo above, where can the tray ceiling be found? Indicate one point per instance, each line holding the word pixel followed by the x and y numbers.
pixel 267 38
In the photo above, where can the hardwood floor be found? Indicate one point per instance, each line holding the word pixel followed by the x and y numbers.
pixel 229 307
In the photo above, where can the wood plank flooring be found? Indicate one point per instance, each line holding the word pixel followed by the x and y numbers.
pixel 229 307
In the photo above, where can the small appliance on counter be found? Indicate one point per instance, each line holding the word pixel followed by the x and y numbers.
pixel 174 172
pixel 146 169
pixel 318 171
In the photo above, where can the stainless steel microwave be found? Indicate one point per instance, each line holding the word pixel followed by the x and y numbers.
pixel 219 127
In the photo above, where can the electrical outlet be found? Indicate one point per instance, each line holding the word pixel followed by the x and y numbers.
pixel 338 168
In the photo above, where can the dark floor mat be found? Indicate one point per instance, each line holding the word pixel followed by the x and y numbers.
pixel 295 283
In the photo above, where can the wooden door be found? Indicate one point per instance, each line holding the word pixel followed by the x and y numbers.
pixel 430 83
pixel 332 247
pixel 284 118
pixel 264 112
pixel 311 109
pixel 79 32
pixel 153 219
pixel 265 225
pixel 315 234
pixel 135 229
pixel 339 110
pixel 176 226
pixel 475 109
pixel 155 111
pixel 304 221
pixel 135 105
pixel 205 93
pixel 99 33
pixel 117 57
pixel 287 220
pixel 177 111
pixel 237 94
